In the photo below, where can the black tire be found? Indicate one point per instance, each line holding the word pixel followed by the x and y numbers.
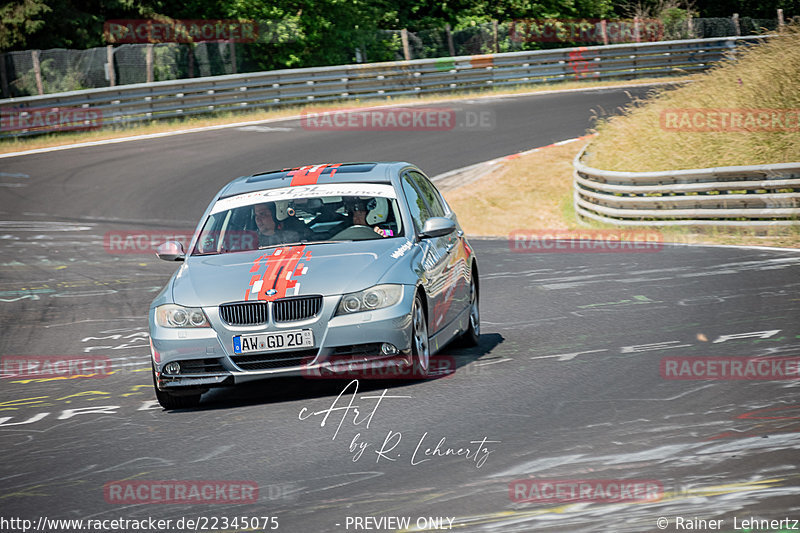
pixel 420 349
pixel 471 337
pixel 175 401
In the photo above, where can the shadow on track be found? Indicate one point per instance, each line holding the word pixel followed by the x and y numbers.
pixel 290 389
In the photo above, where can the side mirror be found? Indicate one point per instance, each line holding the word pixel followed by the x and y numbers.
pixel 437 227
pixel 171 251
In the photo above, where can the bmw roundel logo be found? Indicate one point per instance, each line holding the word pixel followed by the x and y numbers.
pixel 271 292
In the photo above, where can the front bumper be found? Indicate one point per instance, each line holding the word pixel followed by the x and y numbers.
pixel 207 353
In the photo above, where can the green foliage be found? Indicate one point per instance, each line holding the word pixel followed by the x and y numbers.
pixel 302 33
pixel 53 80
pixel 20 19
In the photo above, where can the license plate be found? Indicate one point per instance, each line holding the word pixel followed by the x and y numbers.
pixel 265 342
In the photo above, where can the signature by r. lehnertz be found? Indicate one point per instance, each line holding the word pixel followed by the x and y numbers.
pixel 347 408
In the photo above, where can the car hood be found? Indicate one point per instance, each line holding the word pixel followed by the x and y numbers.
pixel 269 274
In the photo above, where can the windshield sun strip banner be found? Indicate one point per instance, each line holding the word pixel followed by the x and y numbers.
pixel 304 191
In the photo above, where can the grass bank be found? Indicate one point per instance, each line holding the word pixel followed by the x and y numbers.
pixel 744 111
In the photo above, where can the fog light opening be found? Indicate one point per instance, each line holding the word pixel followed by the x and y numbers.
pixel 389 349
pixel 172 368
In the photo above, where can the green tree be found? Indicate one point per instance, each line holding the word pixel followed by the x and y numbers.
pixel 20 19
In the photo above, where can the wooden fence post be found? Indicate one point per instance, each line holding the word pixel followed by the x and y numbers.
pixel 37 71
pixel 148 60
pixel 450 40
pixel 404 38
pixel 112 78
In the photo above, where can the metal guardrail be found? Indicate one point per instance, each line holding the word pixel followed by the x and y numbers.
pixel 118 106
pixel 759 195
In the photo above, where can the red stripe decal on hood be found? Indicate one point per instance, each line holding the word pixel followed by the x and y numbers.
pixel 282 267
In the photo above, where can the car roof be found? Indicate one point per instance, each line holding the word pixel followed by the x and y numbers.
pixel 363 172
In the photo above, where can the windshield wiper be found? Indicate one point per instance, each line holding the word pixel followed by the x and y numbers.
pixel 298 243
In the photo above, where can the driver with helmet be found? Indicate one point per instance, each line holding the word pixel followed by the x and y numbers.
pixel 369 212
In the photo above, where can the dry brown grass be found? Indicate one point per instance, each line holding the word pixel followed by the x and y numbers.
pixel 764 77
pixel 534 192
pixel 531 192
pixel 65 138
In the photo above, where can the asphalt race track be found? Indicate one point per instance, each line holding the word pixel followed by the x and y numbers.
pixel 568 383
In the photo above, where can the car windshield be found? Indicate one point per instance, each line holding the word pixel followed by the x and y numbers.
pixel 250 224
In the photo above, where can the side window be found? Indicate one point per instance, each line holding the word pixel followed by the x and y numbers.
pixel 432 197
pixel 416 204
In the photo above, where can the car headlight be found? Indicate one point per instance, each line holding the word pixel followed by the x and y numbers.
pixel 376 297
pixel 177 316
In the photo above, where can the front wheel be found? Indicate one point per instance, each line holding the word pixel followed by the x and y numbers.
pixel 420 349
pixel 471 337
pixel 168 400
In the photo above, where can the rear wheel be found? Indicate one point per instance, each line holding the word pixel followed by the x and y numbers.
pixel 471 337
pixel 168 400
pixel 420 348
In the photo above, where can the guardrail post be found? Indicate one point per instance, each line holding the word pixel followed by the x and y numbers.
pixel 148 62
pixel 112 78
pixel 404 38
pixel 37 71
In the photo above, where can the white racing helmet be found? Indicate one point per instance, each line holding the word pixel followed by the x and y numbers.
pixel 282 210
pixel 377 211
